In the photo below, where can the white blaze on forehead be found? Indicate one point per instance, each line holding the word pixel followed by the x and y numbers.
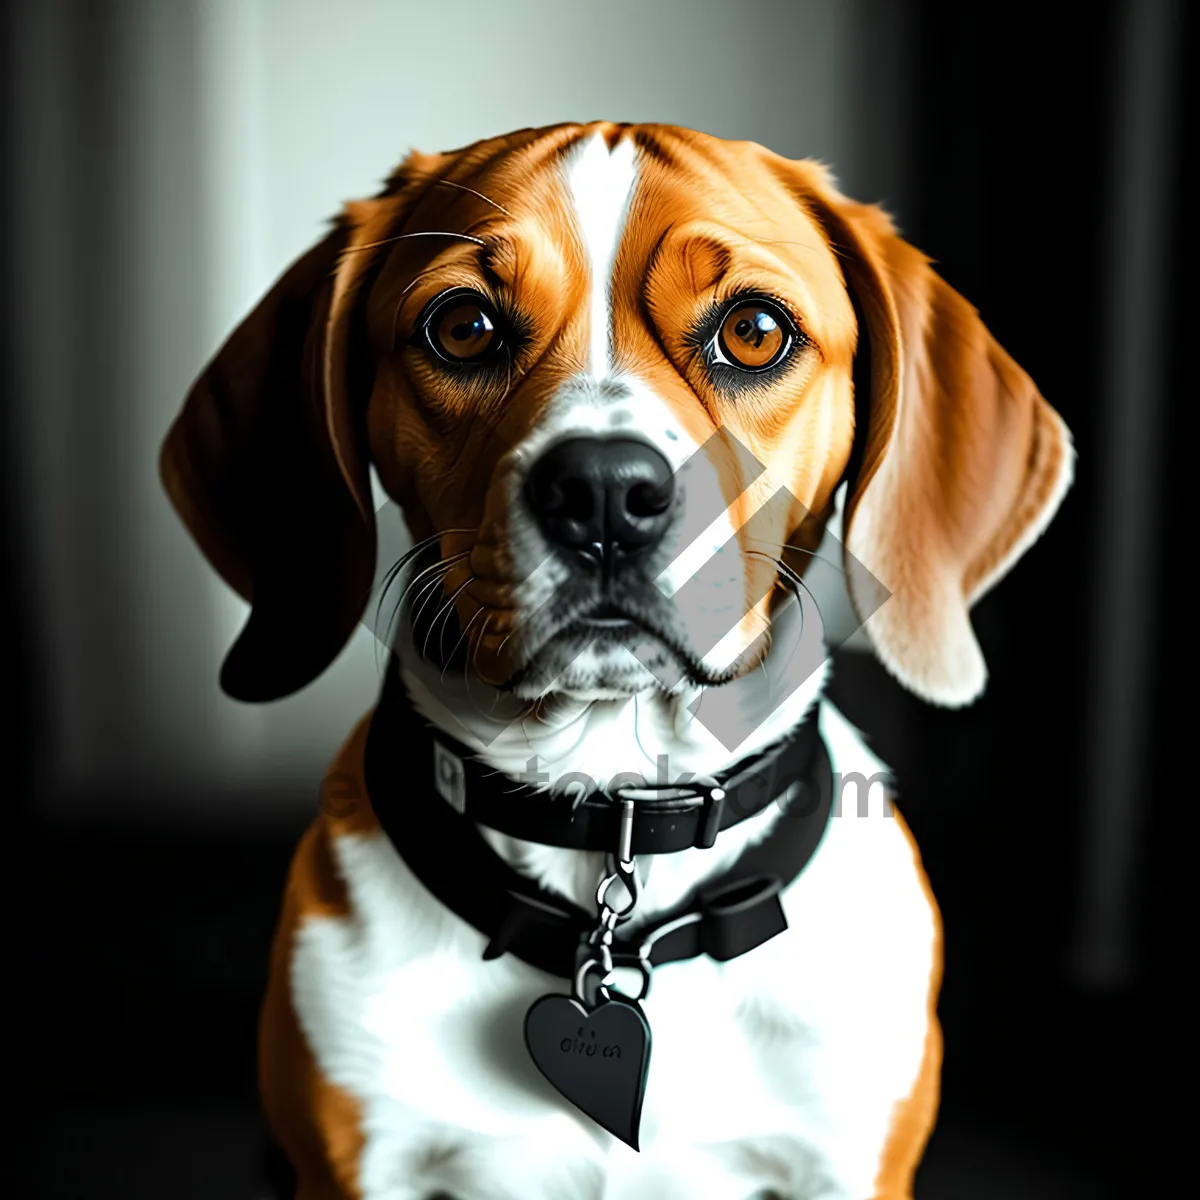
pixel 601 183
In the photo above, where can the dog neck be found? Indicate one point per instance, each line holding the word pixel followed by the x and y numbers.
pixel 561 743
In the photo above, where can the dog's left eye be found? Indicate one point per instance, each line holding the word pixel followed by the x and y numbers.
pixel 464 328
pixel 754 335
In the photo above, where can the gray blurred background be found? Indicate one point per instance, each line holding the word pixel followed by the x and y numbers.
pixel 167 159
pixel 176 157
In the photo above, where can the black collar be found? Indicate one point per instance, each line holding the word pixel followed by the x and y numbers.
pixel 665 818
pixel 429 793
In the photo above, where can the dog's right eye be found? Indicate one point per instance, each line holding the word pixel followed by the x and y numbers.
pixel 463 328
pixel 754 335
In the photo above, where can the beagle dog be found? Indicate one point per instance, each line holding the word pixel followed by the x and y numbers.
pixel 618 379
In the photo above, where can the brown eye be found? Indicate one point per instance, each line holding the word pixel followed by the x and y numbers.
pixel 463 330
pixel 754 335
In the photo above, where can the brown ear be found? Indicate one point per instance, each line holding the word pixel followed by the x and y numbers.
pixel 267 464
pixel 963 462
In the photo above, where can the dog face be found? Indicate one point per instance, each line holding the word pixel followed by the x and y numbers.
pixel 609 374
pixel 546 388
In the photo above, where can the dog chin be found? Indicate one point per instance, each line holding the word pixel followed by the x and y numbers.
pixel 599 669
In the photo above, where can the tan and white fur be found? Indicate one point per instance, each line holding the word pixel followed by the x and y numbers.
pixel 392 1062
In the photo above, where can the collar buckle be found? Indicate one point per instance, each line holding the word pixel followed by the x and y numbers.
pixel 710 825
pixel 678 797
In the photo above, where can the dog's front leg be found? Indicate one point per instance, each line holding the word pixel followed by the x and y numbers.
pixel 316 1124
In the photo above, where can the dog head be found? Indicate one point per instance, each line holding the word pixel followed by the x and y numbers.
pixel 608 372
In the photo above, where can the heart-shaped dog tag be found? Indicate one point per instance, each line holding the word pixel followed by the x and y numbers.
pixel 598 1060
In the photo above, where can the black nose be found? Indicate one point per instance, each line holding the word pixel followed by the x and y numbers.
pixel 602 496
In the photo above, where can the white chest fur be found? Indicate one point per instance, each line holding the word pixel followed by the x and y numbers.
pixel 779 1070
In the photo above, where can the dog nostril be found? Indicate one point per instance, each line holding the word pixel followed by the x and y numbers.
pixel 562 498
pixel 571 498
pixel 647 500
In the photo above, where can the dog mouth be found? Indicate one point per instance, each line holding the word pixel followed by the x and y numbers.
pixel 608 617
pixel 619 640
pixel 620 645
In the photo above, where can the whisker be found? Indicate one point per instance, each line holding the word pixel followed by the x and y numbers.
pixel 444 609
pixel 407 557
pixel 423 595
pixel 799 583
pixel 473 651
pixel 462 187
pixel 637 733
pixel 762 662
pixel 408 287
pixel 449 613
pixel 517 627
pixel 414 550
pixel 428 590
pixel 796 584
pixel 518 719
pixel 587 708
pixel 442 566
pixel 829 562
pixel 399 237
pixel 780 565
pixel 700 702
pixel 389 577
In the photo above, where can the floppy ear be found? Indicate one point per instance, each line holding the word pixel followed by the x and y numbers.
pixel 963 462
pixel 267 463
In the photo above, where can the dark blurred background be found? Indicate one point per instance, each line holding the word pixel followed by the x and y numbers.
pixel 167 159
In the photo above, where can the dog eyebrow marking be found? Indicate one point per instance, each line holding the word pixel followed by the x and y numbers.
pixel 601 183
